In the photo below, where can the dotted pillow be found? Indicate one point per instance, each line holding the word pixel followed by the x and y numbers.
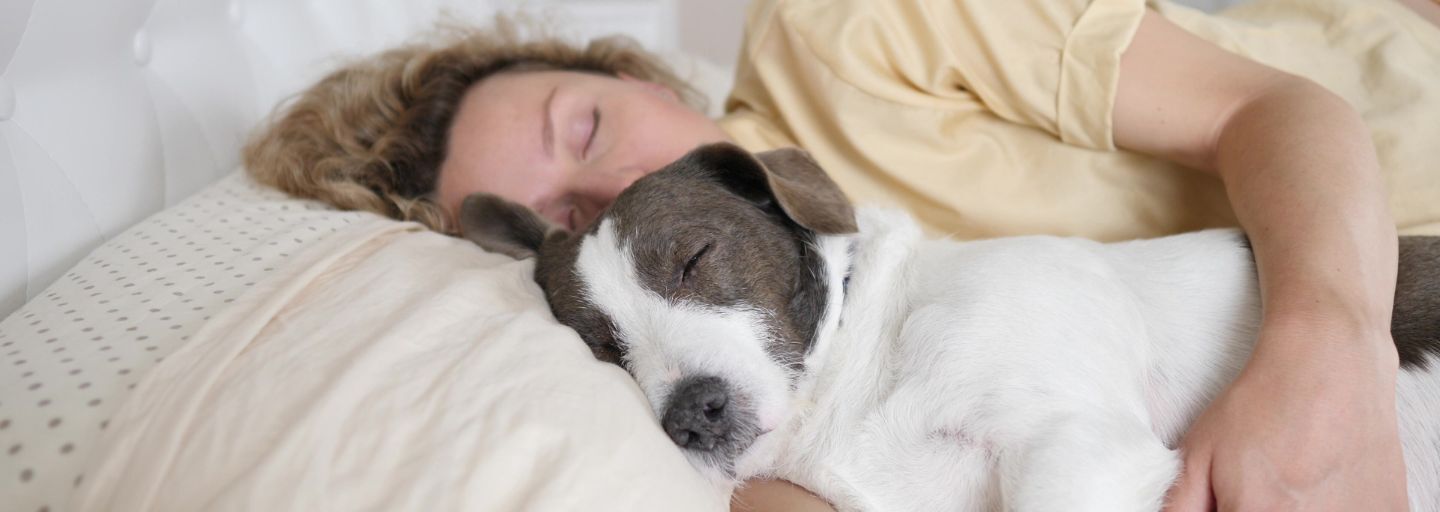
pixel 70 356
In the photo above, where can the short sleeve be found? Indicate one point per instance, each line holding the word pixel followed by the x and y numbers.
pixel 1050 64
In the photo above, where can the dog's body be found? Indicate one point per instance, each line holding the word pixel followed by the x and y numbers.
pixel 776 336
pixel 1054 372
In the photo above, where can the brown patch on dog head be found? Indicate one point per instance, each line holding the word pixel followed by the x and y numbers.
pixel 709 230
pixel 806 193
pixel 787 177
pixel 718 228
pixel 569 300
pixel 498 225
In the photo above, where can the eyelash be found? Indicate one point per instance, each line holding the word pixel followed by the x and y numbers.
pixel 690 265
pixel 594 127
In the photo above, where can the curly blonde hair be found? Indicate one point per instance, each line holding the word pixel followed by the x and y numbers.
pixel 371 136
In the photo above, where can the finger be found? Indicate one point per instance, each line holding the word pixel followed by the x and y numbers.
pixel 1191 493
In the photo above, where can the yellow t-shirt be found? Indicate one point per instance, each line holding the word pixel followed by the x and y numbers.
pixel 993 117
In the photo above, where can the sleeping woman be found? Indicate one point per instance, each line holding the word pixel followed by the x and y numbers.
pixel 1312 124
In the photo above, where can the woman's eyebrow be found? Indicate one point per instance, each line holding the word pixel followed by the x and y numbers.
pixel 547 133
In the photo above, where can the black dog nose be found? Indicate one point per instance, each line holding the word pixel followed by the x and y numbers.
pixel 696 417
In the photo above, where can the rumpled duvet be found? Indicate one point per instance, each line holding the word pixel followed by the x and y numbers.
pixel 389 368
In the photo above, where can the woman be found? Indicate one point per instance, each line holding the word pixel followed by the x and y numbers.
pixel 1109 119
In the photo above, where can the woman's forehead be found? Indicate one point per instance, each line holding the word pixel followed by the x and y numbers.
pixel 496 143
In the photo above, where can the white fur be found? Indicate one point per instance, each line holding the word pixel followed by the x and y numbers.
pixel 1417 398
pixel 1032 373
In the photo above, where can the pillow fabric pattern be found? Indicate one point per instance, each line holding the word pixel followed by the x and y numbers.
pixel 70 356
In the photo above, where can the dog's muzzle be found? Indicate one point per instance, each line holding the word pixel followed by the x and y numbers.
pixel 701 415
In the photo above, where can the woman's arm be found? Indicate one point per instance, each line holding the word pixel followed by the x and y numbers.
pixel 1310 422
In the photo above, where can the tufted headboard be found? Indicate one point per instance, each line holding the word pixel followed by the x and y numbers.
pixel 111 110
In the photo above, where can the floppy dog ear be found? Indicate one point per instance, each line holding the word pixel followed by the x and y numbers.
pixel 787 177
pixel 498 225
pixel 806 193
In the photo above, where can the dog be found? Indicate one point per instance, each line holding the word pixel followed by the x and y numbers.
pixel 777 331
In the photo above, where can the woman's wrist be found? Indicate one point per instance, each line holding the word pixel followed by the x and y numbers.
pixel 1331 344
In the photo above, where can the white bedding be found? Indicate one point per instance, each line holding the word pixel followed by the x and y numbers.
pixel 388 368
pixel 71 356
pixel 111 111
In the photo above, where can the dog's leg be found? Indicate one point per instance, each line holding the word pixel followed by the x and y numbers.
pixel 1089 461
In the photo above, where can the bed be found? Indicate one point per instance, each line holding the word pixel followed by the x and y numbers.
pixel 139 261
pixel 130 234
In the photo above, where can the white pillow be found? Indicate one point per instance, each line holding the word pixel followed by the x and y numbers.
pixel 70 360
pixel 389 368
pixel 70 356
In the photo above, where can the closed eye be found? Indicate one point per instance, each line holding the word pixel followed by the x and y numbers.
pixel 689 269
pixel 594 128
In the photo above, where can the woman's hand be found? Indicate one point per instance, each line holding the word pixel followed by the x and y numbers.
pixel 776 496
pixel 1310 422
pixel 1315 432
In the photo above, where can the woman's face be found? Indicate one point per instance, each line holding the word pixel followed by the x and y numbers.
pixel 564 143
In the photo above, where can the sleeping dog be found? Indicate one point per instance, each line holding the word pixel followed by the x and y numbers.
pixel 778 332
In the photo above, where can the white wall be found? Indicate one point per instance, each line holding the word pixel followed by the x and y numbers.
pixel 712 28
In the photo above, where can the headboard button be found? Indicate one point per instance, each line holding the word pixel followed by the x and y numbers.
pixel 7 100
pixel 140 48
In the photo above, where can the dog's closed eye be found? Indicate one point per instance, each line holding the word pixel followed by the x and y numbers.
pixel 687 271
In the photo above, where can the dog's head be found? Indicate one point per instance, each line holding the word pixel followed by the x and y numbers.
pixel 703 280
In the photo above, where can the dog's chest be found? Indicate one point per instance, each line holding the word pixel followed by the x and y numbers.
pixel 893 457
